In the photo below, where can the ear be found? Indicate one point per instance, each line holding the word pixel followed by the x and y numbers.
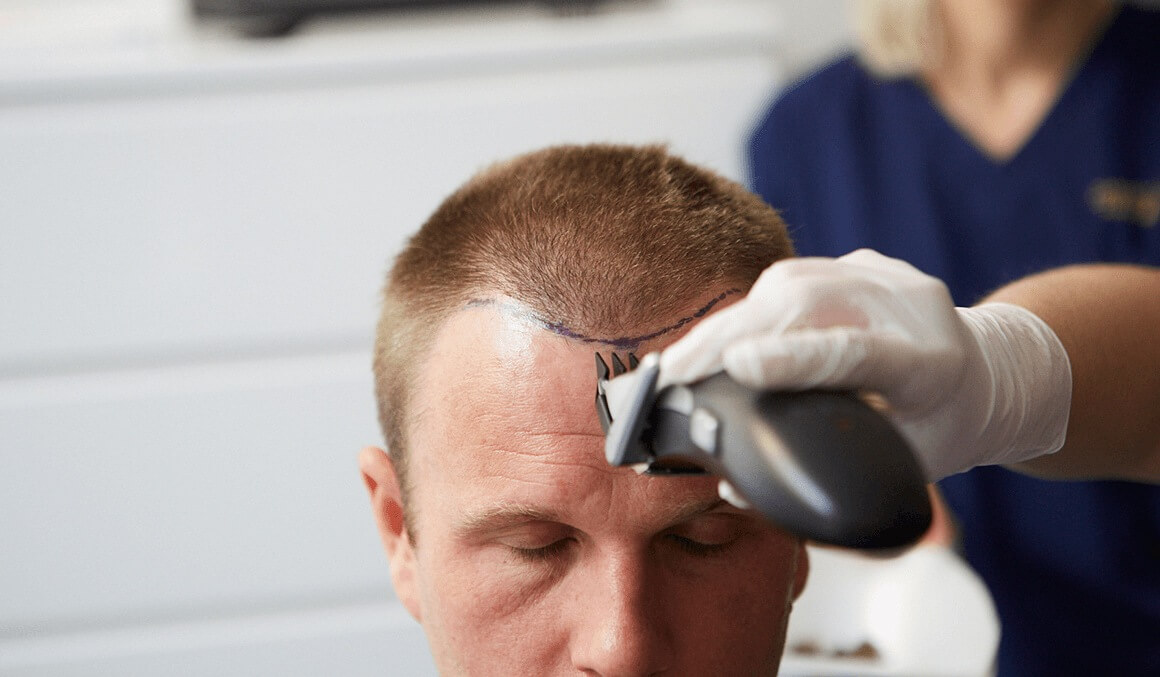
pixel 801 569
pixel 378 473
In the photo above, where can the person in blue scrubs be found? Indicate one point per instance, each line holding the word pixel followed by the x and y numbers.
pixel 993 140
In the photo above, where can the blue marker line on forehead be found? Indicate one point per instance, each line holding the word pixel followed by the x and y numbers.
pixel 620 343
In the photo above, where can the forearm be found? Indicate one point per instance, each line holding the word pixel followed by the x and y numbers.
pixel 968 387
pixel 1108 319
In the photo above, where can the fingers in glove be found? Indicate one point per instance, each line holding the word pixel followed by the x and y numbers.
pixel 772 306
pixel 698 353
pixel 844 358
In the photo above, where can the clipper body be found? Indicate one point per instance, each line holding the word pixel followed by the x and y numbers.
pixel 821 464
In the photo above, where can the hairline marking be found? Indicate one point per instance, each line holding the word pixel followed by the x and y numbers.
pixel 622 342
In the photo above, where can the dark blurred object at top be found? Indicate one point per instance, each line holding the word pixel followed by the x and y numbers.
pixel 270 18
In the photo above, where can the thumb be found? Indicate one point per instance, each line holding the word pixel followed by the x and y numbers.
pixel 698 353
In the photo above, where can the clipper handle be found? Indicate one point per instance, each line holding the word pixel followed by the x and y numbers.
pixel 822 464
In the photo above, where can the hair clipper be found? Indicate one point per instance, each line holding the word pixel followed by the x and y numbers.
pixel 821 464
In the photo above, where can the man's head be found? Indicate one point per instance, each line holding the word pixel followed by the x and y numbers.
pixel 511 540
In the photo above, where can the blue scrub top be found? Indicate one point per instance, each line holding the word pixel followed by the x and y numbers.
pixel 852 161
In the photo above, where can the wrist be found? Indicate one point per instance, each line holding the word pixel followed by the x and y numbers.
pixel 1027 371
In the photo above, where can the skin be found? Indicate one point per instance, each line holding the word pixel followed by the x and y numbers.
pixel 1004 63
pixel 1106 316
pixel 532 556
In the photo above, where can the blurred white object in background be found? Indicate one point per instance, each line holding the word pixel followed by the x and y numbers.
pixel 922 613
pixel 79 25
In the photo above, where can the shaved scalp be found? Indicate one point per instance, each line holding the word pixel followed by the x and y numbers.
pixel 599 242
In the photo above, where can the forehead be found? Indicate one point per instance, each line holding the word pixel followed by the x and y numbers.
pixel 503 361
pixel 503 410
pixel 491 364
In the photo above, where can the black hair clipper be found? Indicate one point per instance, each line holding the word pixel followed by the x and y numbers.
pixel 821 464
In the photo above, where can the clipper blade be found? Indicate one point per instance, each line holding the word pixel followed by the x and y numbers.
pixel 603 374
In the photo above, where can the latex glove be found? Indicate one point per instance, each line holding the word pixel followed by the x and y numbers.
pixel 966 386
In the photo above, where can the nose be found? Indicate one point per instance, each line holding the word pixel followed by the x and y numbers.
pixel 623 630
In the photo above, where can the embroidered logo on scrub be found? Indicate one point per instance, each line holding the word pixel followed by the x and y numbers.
pixel 1136 202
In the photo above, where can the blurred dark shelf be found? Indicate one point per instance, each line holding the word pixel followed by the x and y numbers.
pixel 273 18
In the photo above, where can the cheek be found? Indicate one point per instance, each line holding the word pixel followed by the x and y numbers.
pixel 737 613
pixel 491 586
pixel 489 611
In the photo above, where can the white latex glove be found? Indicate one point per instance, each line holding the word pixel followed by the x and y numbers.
pixel 966 386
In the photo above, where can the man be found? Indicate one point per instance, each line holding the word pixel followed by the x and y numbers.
pixel 511 540
pixel 521 552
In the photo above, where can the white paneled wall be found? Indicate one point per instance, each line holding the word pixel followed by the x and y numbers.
pixel 192 245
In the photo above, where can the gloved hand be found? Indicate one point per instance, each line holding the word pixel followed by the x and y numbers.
pixel 966 386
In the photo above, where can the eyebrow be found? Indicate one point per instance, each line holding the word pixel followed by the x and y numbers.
pixel 501 517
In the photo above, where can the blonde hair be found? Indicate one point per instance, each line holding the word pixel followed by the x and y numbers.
pixel 600 238
pixel 896 38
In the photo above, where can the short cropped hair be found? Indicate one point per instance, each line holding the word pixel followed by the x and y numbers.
pixel 897 38
pixel 600 238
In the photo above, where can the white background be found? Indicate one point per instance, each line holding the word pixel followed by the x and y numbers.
pixel 194 230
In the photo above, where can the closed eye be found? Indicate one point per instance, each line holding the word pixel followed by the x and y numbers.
pixel 698 548
pixel 547 552
pixel 709 534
